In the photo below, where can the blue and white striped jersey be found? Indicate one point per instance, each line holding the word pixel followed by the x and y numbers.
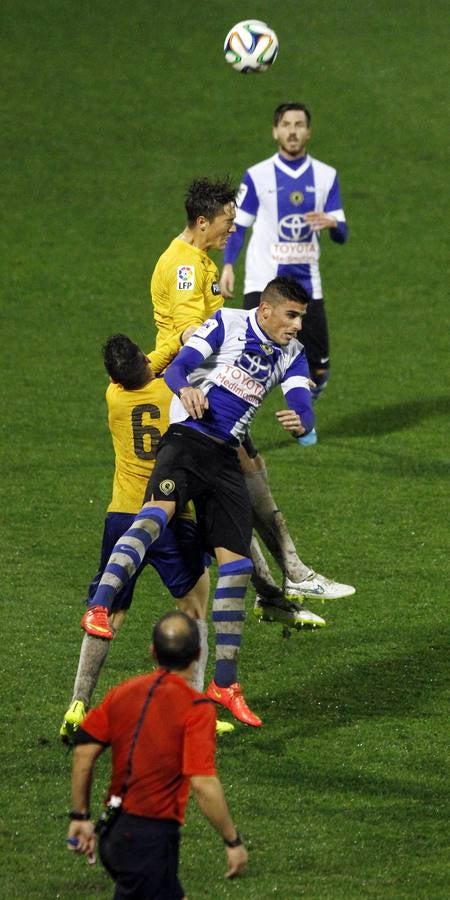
pixel 236 364
pixel 273 198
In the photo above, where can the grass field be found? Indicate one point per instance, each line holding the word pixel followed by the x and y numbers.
pixel 109 110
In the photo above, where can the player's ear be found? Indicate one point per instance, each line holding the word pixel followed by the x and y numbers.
pixel 152 652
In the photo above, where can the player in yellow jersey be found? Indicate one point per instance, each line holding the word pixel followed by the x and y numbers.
pixel 138 414
pixel 185 291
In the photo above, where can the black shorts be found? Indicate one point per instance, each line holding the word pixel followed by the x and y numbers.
pixel 314 333
pixel 191 466
pixel 141 855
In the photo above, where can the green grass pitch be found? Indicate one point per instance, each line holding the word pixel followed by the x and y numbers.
pixel 109 109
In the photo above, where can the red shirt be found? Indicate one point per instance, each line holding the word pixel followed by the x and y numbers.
pixel 177 740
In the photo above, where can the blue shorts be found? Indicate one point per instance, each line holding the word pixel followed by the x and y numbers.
pixel 177 556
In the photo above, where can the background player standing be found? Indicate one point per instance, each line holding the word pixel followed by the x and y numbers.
pixel 288 199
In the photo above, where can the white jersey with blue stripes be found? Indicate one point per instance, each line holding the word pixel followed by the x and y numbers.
pixel 273 198
pixel 236 364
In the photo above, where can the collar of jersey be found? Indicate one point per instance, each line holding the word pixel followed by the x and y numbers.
pixel 294 173
pixel 261 336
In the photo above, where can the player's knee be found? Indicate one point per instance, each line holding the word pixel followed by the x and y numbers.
pixel 320 378
pixel 237 567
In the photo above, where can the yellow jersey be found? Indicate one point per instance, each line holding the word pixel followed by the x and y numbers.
pixel 185 291
pixel 136 420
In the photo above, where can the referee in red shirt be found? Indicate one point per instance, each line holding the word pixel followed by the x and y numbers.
pixel 162 737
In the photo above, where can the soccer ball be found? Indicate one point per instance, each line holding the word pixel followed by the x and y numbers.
pixel 251 46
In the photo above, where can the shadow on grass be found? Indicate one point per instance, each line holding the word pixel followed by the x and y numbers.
pixel 375 421
pixel 350 694
pixel 380 420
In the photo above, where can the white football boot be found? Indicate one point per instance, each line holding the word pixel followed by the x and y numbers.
pixel 317 587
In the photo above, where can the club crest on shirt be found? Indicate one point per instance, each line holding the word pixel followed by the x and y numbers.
pixel 185 278
pixel 296 198
pixel 167 486
pixel 255 366
pixel 267 349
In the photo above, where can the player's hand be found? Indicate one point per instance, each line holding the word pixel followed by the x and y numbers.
pixel 317 221
pixel 81 838
pixel 226 281
pixel 290 421
pixel 237 858
pixel 194 401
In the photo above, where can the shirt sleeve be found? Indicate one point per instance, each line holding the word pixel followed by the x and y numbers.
pixel 202 344
pixel 247 204
pixel 333 206
pixel 200 739
pixel 296 390
pixel 164 353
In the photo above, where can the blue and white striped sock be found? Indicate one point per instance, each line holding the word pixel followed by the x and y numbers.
pixel 228 616
pixel 128 554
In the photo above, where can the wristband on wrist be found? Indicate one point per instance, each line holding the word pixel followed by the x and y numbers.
pixel 75 816
pixel 234 843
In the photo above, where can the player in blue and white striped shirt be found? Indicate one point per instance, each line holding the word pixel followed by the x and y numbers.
pixel 288 199
pixel 220 377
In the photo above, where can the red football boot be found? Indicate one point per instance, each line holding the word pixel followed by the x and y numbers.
pixel 95 621
pixel 232 698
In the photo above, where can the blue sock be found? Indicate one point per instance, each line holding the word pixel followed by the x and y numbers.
pixel 128 554
pixel 228 616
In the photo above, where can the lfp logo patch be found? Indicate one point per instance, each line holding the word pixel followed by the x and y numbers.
pixel 185 278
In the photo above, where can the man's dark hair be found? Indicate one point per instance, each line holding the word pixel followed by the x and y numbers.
pixel 176 641
pixel 280 289
pixel 125 362
pixel 207 198
pixel 285 107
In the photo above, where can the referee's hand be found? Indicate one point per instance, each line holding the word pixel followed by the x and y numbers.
pixel 194 401
pixel 237 858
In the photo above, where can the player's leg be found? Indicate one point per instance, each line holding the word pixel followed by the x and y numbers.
pixel 300 581
pixel 93 650
pixel 268 520
pixel 182 565
pixel 225 516
pixel 228 617
pixel 270 604
pixel 126 558
pixel 164 490
pixel 315 339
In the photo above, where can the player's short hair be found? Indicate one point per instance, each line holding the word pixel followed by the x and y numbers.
pixel 285 107
pixel 208 198
pixel 176 640
pixel 281 289
pixel 125 362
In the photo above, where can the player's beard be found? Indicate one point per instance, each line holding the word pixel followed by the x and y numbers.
pixel 293 149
